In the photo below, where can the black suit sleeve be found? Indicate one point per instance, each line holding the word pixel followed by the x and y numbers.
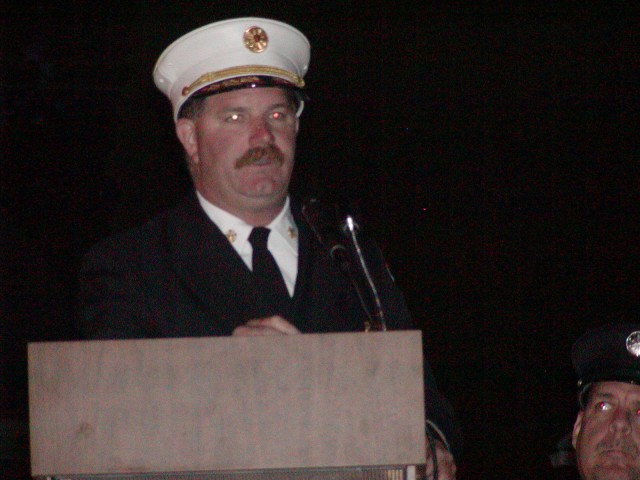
pixel 112 300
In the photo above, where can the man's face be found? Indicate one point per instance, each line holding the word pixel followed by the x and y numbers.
pixel 241 150
pixel 606 434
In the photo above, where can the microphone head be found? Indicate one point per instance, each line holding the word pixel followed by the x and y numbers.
pixel 350 225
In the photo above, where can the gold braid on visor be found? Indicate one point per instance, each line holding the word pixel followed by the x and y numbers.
pixel 247 71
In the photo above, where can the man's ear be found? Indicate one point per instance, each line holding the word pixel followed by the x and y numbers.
pixel 186 132
pixel 576 429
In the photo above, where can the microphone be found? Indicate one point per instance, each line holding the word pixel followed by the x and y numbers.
pixel 323 227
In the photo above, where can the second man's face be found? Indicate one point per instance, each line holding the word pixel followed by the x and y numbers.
pixel 241 149
pixel 606 434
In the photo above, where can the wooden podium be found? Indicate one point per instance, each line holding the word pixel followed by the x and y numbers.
pixel 314 406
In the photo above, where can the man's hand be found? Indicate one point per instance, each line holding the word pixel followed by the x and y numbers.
pixel 446 463
pixel 275 325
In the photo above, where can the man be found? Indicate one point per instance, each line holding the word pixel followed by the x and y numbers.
pixel 236 88
pixel 606 434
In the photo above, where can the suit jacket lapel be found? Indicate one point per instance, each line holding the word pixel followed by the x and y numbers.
pixel 209 266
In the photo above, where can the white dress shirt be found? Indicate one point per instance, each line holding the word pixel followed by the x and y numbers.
pixel 282 242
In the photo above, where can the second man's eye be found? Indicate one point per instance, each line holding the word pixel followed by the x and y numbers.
pixel 603 406
pixel 278 115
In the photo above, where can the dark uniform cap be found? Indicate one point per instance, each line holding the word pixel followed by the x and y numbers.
pixel 610 353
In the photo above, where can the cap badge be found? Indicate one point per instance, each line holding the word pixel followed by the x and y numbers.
pixel 255 39
pixel 633 343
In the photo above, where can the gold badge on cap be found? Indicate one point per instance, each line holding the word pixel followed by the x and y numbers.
pixel 255 39
pixel 633 343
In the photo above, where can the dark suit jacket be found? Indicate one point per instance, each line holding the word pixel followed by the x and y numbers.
pixel 178 276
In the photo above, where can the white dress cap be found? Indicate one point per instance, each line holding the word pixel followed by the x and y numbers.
pixel 236 48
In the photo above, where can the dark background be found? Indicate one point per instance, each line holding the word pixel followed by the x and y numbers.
pixel 493 152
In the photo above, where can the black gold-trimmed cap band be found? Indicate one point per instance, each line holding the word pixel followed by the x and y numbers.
pixel 251 81
pixel 243 72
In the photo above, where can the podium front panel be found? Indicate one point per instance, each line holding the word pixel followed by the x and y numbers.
pixel 226 404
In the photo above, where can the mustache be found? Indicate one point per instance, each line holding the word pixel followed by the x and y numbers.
pixel 624 445
pixel 253 155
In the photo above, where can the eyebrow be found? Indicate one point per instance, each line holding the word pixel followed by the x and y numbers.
pixel 603 395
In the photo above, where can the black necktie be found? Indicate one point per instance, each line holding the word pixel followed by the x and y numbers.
pixel 268 275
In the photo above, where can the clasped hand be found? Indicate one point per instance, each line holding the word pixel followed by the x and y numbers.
pixel 275 325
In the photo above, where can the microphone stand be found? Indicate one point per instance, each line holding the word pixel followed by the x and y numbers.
pixel 350 260
pixel 377 319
